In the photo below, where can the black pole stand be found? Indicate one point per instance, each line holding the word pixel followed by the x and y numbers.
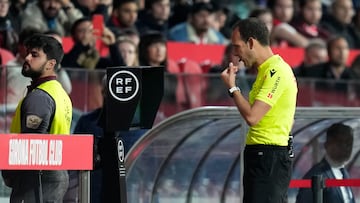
pixel 122 170
pixel 317 186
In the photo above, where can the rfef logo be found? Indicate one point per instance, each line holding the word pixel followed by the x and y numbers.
pixel 123 85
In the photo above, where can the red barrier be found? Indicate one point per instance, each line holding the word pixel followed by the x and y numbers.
pixel 215 53
pixel 306 183
pixel 46 152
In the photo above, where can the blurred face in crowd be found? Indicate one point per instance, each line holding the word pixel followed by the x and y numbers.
pixel 157 53
pixel 84 33
pixel 161 10
pixel 127 14
pixel 201 21
pixel 128 52
pixel 338 52
pixel 218 20
pixel 50 8
pixel 312 12
pixel 315 55
pixel 284 10
pixel 343 11
pixel 4 7
pixel 267 18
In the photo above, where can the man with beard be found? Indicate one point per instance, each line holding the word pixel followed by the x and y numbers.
pixel 338 147
pixel 45 15
pixel 46 109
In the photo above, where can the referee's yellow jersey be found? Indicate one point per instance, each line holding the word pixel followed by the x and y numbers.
pixel 275 85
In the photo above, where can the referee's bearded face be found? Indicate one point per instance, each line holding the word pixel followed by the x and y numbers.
pixel 35 63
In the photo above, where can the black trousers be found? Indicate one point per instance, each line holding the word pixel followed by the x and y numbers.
pixel 25 186
pixel 267 174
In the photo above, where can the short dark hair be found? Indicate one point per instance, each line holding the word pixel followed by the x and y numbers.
pixel 258 12
pixel 339 129
pixel 255 28
pixel 332 40
pixel 302 3
pixel 26 33
pixel 270 4
pixel 77 23
pixel 50 46
pixel 118 3
pixel 149 3
pixel 201 6
pixel 146 40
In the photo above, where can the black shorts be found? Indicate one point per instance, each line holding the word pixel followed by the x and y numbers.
pixel 267 174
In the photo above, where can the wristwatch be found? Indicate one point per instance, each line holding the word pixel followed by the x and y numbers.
pixel 232 90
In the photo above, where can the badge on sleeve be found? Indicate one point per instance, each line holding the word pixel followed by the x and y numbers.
pixel 33 121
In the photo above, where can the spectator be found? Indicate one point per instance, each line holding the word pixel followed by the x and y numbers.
pixel 152 49
pixel 16 82
pixel 265 15
pixel 8 35
pixel 124 15
pixel 84 53
pixel 333 73
pixel 308 20
pixel 179 12
pixel 154 17
pixel 315 53
pixel 338 22
pixel 16 9
pixel 197 29
pixel 283 34
pixel 128 51
pixel 58 15
pixel 335 68
pixel 338 148
pixel 224 18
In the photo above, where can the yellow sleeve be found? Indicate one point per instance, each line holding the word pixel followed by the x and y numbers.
pixel 274 84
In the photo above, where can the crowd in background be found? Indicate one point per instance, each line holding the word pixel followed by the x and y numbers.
pixel 292 23
pixel 135 32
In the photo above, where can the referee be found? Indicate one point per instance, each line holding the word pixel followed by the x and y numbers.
pixel 269 113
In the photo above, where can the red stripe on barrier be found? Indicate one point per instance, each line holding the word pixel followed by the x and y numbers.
pixel 347 182
pixel 306 183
